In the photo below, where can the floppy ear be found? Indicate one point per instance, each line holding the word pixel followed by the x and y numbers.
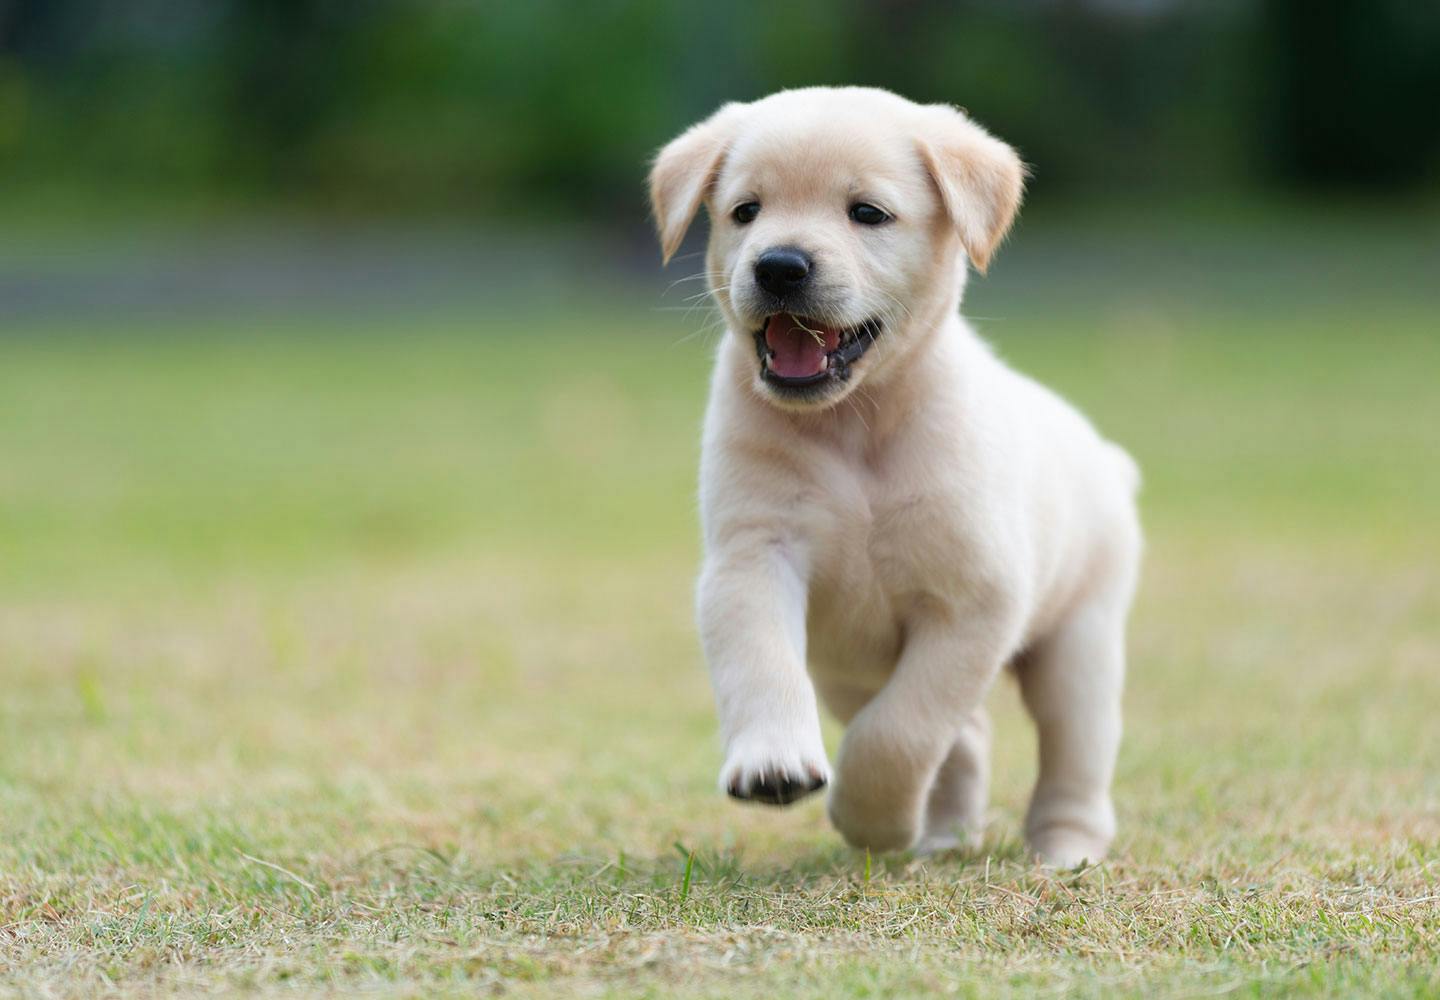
pixel 980 180
pixel 683 173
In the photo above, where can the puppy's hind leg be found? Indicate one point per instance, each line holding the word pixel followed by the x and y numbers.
pixel 955 810
pixel 1071 683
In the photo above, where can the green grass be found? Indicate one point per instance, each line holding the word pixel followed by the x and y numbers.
pixel 358 656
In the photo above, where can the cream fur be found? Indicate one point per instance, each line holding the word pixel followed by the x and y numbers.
pixel 893 546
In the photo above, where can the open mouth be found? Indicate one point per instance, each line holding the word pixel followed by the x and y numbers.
pixel 798 352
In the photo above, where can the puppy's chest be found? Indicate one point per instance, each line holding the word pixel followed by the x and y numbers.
pixel 874 562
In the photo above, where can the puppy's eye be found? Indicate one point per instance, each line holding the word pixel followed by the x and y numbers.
pixel 746 212
pixel 868 215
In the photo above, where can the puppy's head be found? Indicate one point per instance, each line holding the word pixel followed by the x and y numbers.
pixel 840 223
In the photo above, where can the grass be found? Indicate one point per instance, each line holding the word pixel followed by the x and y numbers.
pixel 356 655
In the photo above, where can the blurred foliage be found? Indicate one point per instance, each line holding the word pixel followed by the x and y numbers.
pixel 489 107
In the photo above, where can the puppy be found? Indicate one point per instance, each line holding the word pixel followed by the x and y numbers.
pixel 891 515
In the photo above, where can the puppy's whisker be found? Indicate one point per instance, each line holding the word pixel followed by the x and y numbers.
pixel 716 288
pixel 715 282
pixel 701 300
pixel 853 403
pixel 680 281
pixel 715 323
pixel 688 256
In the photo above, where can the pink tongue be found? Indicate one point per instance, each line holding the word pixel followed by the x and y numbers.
pixel 795 351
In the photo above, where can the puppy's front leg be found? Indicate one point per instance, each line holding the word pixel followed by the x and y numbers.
pixel 752 624
pixel 894 747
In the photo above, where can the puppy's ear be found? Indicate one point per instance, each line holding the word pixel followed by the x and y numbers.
pixel 684 171
pixel 979 177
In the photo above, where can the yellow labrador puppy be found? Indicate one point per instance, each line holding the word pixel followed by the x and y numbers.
pixel 891 515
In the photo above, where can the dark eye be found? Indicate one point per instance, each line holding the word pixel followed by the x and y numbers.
pixel 746 212
pixel 868 215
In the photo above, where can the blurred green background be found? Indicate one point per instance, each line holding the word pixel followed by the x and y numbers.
pixel 484 109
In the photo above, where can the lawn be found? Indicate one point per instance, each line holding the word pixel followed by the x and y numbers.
pixel 352 654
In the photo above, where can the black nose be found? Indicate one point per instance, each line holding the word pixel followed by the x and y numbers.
pixel 782 270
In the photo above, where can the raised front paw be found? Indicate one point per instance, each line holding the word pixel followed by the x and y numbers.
pixel 775 772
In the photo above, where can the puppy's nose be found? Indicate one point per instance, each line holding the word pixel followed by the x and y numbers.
pixel 782 270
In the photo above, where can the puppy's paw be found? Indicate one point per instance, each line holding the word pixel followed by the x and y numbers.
pixel 874 829
pixel 957 839
pixel 1064 849
pixel 775 772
